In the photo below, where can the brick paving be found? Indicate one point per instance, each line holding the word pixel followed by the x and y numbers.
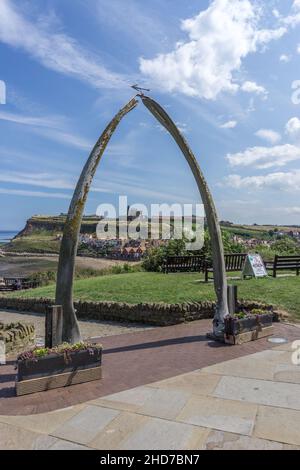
pixel 135 359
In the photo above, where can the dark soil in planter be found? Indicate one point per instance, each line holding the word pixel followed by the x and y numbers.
pixel 53 364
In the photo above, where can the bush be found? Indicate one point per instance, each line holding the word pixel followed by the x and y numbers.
pixel 154 259
pixel 43 278
pixel 286 246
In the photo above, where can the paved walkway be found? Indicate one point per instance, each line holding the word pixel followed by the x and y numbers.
pixel 174 391
pixel 135 359
pixel 88 328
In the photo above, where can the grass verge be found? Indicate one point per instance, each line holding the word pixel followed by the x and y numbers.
pixel 176 288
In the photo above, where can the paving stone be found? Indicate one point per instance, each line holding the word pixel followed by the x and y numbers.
pixel 60 444
pixel 225 415
pixel 270 355
pixel 259 366
pixel 84 427
pixel 158 434
pixel 219 440
pixel 118 430
pixel 197 383
pixel 278 424
pixel 165 403
pixel 43 423
pixel 44 442
pixel 285 346
pixel 287 373
pixel 263 392
pixel 129 400
pixel 13 437
pixel 162 403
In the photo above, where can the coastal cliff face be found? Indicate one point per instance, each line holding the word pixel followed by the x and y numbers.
pixel 35 224
pixel 42 234
pixel 55 224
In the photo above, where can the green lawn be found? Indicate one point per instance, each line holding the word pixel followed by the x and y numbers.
pixel 177 288
pixel 37 242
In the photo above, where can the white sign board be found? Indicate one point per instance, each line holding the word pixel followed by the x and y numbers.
pixel 254 266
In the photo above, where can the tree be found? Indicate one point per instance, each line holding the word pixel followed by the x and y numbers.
pixel 155 257
pixel 286 246
pixel 220 282
pixel 69 244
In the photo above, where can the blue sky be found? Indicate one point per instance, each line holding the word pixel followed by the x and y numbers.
pixel 224 69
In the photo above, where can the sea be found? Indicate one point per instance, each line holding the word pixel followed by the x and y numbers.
pixel 7 235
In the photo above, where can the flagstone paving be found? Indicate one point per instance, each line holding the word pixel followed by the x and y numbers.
pixel 249 401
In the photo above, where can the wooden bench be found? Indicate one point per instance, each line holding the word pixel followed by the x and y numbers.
pixel 280 263
pixel 18 283
pixel 4 288
pixel 233 262
pixel 174 264
pixel 12 282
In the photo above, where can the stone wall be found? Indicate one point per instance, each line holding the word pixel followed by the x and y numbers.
pixel 159 314
pixel 17 336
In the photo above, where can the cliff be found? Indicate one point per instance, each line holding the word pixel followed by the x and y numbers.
pixel 55 224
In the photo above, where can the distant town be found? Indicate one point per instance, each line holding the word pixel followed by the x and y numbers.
pixel 43 234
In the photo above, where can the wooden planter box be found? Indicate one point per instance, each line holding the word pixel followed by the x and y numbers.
pixel 238 331
pixel 58 370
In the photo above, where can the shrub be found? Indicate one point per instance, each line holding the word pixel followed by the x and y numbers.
pixel 286 246
pixel 154 259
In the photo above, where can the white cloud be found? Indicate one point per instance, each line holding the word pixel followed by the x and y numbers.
pixel 219 39
pixel 182 127
pixel 269 135
pixel 285 181
pixel 296 5
pixel 298 49
pixel 285 58
pixel 44 180
pixel 293 210
pixel 110 182
pixel 294 18
pixel 64 137
pixel 40 121
pixel 252 87
pixel 39 194
pixel 229 125
pixel 50 127
pixel 55 50
pixel 265 157
pixel 128 18
pixel 276 13
pixel 292 128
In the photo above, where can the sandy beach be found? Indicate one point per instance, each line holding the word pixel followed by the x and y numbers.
pixel 25 265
